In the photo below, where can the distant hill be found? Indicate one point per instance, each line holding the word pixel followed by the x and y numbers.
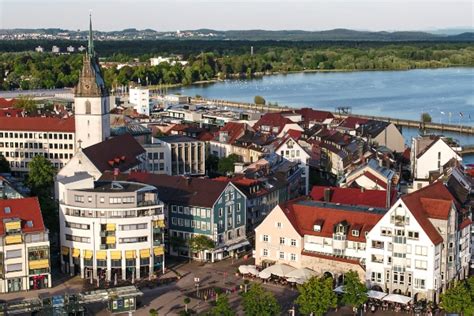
pixel 244 35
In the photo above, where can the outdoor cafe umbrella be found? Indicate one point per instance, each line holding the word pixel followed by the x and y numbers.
pixel 264 275
pixel 252 270
pixel 243 269
pixel 397 298
pixel 376 294
pixel 279 269
pixel 339 289
pixel 303 273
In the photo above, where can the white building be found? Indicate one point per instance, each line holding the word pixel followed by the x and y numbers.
pixel 24 245
pixel 140 98
pixel 39 49
pixel 176 155
pixel 291 150
pixel 420 245
pixel 70 49
pixel 23 138
pixel 428 156
pixel 55 49
pixel 110 231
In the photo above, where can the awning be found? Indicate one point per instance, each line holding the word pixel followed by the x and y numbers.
pixel 130 254
pixel 110 227
pixel 244 269
pixel 110 240
pixel 116 255
pixel 159 223
pixel 87 254
pixel 264 275
pixel 38 264
pixel 238 245
pixel 13 225
pixel 158 251
pixel 76 252
pixel 13 239
pixel 64 251
pixel 397 298
pixel 376 294
pixel 101 255
pixel 302 273
pixel 145 253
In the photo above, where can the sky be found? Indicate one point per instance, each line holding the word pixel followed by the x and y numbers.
pixel 172 15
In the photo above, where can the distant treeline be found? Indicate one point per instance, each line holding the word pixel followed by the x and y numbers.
pixel 209 60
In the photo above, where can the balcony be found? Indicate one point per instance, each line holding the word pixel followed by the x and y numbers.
pixel 13 239
pixel 38 264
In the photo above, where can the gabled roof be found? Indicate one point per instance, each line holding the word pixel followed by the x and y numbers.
pixel 351 122
pixel 181 190
pixel 38 124
pixel 118 152
pixel 304 214
pixel 234 131
pixel 352 196
pixel 273 120
pixel 311 115
pixel 433 201
pixel 372 128
pixel 26 209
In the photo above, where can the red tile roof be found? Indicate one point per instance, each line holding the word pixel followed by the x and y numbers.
pixel 352 196
pixel 351 122
pixel 272 120
pixel 294 134
pixel 311 115
pixel 234 130
pixel 118 152
pixel 304 214
pixel 465 223
pixel 38 124
pixel 27 209
pixel 433 201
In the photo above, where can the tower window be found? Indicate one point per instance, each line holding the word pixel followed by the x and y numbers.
pixel 88 107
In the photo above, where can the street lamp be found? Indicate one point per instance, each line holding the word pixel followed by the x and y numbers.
pixel 196 284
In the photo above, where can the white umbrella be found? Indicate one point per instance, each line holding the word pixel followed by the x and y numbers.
pixel 252 270
pixel 279 269
pixel 397 298
pixel 264 275
pixel 339 289
pixel 376 294
pixel 292 280
pixel 243 269
pixel 303 273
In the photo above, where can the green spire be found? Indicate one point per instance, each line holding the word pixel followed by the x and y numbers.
pixel 91 39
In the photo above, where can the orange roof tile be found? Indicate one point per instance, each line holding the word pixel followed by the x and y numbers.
pixel 38 124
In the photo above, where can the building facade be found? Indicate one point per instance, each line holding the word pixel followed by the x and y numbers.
pixel 140 98
pixel 176 155
pixel 23 138
pixel 24 247
pixel 420 246
pixel 110 231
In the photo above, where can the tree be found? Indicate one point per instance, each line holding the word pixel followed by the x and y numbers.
pixel 355 292
pixel 259 100
pixel 40 181
pixel 187 300
pixel 425 117
pixel 259 302
pixel 200 243
pixel 4 165
pixel 316 296
pixel 212 163
pixel 153 312
pixel 27 104
pixel 222 307
pixel 457 299
pixel 41 174
pixel 226 164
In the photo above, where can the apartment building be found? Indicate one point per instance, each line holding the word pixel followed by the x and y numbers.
pixel 329 238
pixel 111 230
pixel 428 156
pixel 197 206
pixel 23 138
pixel 176 155
pixel 24 246
pixel 140 98
pixel 420 246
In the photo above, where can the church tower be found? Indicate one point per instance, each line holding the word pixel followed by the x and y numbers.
pixel 91 101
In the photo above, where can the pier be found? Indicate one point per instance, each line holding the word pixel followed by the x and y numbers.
pixel 469 130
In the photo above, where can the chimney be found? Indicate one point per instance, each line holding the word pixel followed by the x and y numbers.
pixel 327 194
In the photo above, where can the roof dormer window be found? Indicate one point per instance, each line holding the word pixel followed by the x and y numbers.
pixel 355 233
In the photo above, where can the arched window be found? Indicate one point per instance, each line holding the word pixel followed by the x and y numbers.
pixel 88 107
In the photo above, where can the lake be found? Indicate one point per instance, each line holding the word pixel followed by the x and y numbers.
pixel 401 94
